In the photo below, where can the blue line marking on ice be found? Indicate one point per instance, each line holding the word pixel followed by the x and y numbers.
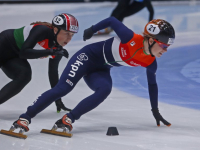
pixel 175 79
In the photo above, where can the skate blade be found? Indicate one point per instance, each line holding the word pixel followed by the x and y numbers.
pixel 13 134
pixel 66 134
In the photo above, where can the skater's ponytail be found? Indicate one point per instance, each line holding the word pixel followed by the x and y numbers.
pixel 43 23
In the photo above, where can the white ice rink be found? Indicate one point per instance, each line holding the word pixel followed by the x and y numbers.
pixel 127 107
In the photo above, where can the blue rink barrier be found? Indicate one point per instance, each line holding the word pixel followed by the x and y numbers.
pixel 109 0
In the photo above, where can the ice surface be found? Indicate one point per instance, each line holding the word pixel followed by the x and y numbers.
pixel 127 107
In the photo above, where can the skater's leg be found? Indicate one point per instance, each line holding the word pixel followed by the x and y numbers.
pixel 131 9
pixel 73 72
pixel 101 83
pixel 120 8
pixel 19 71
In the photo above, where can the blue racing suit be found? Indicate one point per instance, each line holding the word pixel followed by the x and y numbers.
pixel 93 62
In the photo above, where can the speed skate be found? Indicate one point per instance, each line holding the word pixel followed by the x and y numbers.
pixel 54 132
pixel 14 134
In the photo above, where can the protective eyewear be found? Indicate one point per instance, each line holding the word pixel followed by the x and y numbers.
pixel 162 45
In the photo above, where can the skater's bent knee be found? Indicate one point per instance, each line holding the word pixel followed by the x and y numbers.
pixel 25 76
pixel 104 91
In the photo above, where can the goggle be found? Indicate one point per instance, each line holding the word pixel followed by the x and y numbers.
pixel 162 45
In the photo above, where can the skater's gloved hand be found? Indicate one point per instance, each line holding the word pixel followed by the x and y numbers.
pixel 60 105
pixel 88 33
pixel 60 51
pixel 159 118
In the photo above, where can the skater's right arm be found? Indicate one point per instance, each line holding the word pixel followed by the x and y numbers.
pixel 124 33
pixel 38 33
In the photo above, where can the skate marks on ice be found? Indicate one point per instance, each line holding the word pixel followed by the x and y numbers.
pixel 130 114
pixel 133 119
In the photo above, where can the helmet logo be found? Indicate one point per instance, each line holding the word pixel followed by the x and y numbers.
pixel 58 20
pixel 153 29
pixel 170 41
pixel 73 28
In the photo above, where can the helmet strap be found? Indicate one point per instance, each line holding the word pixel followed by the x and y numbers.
pixel 55 36
pixel 150 46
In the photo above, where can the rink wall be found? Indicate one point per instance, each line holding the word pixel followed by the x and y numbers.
pixel 73 1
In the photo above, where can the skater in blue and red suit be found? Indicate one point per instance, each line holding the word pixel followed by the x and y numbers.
pixel 37 40
pixel 93 62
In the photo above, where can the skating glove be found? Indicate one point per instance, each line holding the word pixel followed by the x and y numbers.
pixel 88 33
pixel 159 118
pixel 60 51
pixel 60 105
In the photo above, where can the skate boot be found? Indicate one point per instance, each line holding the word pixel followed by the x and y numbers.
pixel 22 124
pixel 64 123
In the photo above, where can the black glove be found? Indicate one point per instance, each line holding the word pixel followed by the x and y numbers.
pixel 60 51
pixel 159 118
pixel 88 33
pixel 60 105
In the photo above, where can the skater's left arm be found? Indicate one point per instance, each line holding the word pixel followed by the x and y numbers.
pixel 152 84
pixel 153 93
pixel 53 70
pixel 54 78
pixel 149 6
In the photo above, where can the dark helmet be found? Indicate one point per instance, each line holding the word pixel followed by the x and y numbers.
pixel 160 30
pixel 66 22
